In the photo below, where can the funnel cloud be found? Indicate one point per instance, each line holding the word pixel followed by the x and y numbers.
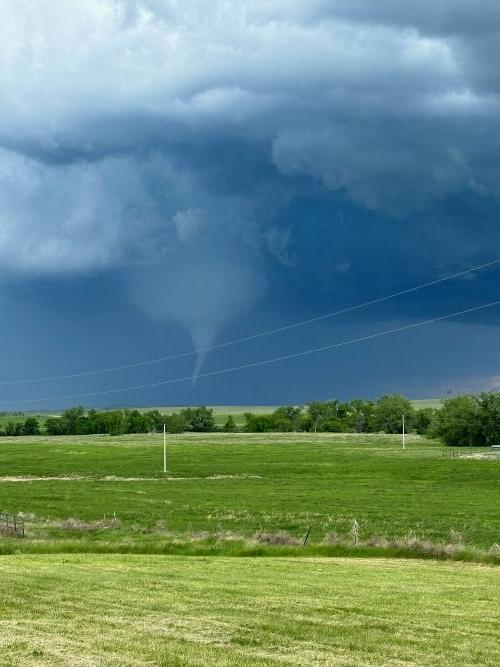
pixel 201 292
pixel 188 171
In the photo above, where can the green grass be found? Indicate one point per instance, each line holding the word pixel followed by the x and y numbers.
pixel 130 610
pixel 21 417
pixel 243 483
pixel 420 403
pixel 103 577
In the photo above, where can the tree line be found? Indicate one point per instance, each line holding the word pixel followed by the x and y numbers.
pixel 468 420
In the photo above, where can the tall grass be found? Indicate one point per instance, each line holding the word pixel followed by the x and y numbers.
pixel 278 544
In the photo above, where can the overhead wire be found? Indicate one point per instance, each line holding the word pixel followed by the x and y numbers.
pixel 257 335
pixel 256 364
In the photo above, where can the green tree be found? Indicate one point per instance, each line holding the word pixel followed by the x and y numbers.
pixel 175 423
pixel 53 426
pixel 424 419
pixel 31 426
pixel 199 419
pixel 389 411
pixel 74 421
pixel 154 420
pixel 489 416
pixel 329 416
pixel 230 425
pixel 361 416
pixel 286 418
pixel 11 428
pixel 258 423
pixel 458 422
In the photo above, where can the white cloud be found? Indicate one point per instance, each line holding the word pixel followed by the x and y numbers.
pixel 69 218
pixel 356 96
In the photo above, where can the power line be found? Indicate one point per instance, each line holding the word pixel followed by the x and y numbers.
pixel 263 362
pixel 260 334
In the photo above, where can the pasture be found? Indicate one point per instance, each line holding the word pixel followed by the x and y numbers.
pixel 150 610
pixel 113 489
pixel 133 564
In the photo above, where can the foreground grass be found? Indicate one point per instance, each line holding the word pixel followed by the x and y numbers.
pixel 135 610
pixel 247 483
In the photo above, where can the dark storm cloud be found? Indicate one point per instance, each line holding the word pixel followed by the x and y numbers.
pixel 319 146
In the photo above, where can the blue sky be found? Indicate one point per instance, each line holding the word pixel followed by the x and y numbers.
pixel 176 175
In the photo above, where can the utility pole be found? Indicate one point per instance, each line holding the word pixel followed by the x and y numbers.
pixel 404 444
pixel 164 448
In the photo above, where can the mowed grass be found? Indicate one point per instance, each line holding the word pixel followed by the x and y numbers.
pixel 243 483
pixel 145 610
pixel 72 608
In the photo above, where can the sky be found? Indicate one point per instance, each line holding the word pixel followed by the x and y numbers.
pixel 179 174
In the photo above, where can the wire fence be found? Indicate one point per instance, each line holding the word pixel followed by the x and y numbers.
pixel 11 524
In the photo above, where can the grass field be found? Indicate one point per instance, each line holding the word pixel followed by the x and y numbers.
pixel 94 581
pixel 149 610
pixel 243 483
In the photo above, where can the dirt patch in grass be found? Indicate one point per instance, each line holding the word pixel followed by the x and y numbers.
pixel 114 478
pixel 32 478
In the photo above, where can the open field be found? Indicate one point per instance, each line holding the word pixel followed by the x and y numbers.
pixel 144 610
pixel 94 581
pixel 243 483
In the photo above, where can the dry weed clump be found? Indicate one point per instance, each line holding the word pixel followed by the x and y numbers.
pixel 88 526
pixel 456 536
pixel 378 541
pixel 410 542
pixel 495 550
pixel 427 547
pixel 280 538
